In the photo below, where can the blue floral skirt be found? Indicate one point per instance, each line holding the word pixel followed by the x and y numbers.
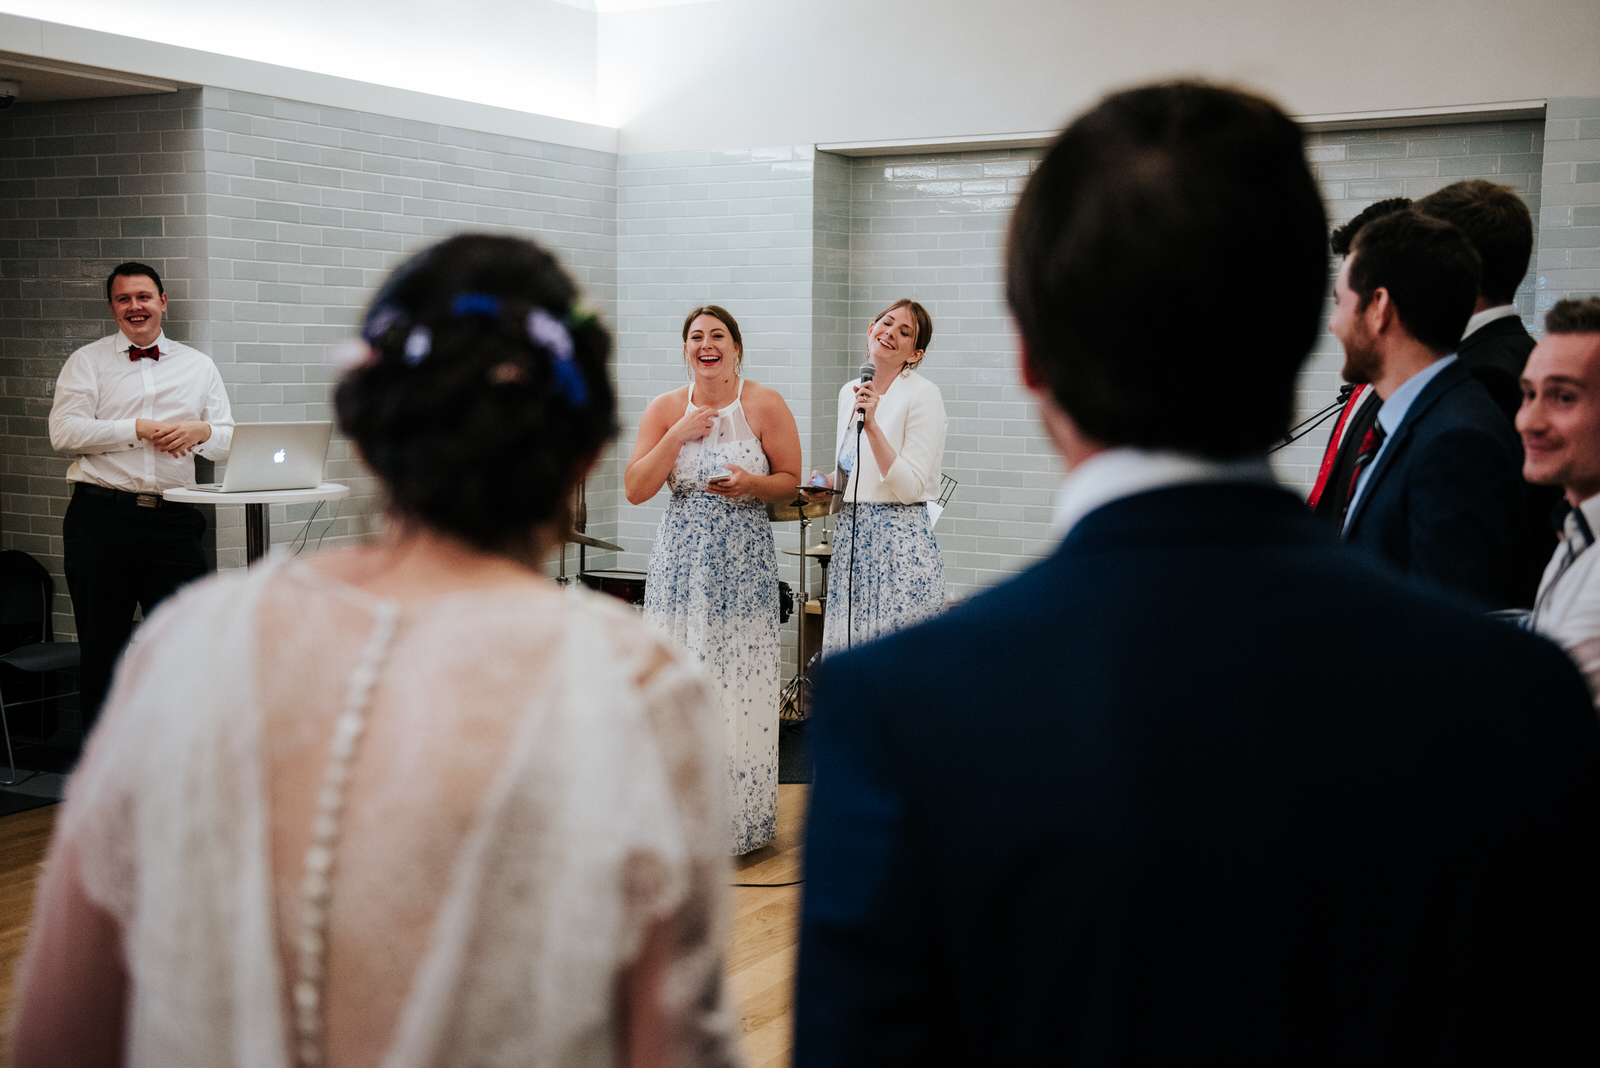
pixel 712 589
pixel 897 578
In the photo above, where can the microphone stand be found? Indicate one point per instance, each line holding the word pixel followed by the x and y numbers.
pixel 1311 422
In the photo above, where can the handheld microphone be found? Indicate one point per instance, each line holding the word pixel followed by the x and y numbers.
pixel 868 372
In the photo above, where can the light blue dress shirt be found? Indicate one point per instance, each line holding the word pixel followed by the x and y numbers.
pixel 1392 415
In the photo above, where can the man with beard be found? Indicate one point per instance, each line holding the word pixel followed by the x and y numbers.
pixel 1331 493
pixel 1438 490
pixel 1118 810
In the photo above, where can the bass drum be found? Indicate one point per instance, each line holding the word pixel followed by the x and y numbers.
pixel 624 585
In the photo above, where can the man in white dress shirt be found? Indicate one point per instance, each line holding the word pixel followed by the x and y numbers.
pixel 1560 426
pixel 132 408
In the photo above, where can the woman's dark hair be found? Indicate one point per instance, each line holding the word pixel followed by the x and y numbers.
pixel 721 315
pixel 486 390
pixel 718 313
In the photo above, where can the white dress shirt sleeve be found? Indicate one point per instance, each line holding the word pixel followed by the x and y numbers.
pixel 73 425
pixel 215 410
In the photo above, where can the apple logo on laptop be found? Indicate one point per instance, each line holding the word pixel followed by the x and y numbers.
pixel 277 457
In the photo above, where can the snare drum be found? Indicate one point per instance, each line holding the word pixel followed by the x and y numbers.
pixel 624 585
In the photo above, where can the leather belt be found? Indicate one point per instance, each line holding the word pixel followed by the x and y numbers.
pixel 123 497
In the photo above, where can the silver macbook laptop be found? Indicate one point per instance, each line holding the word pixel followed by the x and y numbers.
pixel 274 456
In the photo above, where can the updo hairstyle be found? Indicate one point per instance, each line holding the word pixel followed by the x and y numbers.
pixel 485 392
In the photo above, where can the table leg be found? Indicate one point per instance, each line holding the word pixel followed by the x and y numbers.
pixel 256 532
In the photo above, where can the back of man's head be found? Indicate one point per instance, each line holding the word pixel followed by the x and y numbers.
pixel 1344 236
pixel 1167 265
pixel 1429 269
pixel 1497 223
pixel 1574 317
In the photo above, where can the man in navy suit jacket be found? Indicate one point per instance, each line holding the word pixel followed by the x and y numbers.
pixel 1496 345
pixel 1442 497
pixel 1128 807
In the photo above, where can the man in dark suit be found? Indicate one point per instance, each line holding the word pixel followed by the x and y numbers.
pixel 1331 492
pixel 1121 809
pixel 1496 345
pixel 1439 492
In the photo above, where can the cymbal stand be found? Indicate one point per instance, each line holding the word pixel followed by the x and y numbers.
pixel 794 702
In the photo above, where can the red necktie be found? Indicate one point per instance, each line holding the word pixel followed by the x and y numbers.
pixel 1369 448
pixel 135 353
pixel 1333 446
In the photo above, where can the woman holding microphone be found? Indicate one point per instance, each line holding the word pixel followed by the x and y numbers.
pixel 887 572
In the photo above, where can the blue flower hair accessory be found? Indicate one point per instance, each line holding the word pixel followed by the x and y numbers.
pixel 379 322
pixel 550 334
pixel 475 304
pixel 543 329
pixel 418 344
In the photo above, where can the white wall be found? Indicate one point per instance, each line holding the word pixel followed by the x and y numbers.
pixel 774 72
pixel 518 68
pixel 739 73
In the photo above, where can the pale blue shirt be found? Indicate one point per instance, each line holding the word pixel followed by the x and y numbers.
pixel 1391 415
pixel 1122 472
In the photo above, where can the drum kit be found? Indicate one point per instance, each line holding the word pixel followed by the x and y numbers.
pixel 628 585
pixel 794 701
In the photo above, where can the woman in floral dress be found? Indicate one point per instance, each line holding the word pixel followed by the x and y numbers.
pixel 887 572
pixel 724 445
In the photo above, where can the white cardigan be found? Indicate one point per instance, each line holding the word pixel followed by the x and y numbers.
pixel 911 414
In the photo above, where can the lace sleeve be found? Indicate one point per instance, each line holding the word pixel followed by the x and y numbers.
pixel 678 1009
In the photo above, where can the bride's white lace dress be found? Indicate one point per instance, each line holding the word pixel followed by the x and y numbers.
pixel 536 786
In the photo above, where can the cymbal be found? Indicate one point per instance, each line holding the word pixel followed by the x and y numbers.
pixel 575 538
pixel 789 511
pixel 813 550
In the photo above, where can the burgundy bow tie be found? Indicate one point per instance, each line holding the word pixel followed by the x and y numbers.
pixel 135 353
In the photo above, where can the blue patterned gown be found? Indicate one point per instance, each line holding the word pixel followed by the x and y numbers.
pixel 712 588
pixel 887 573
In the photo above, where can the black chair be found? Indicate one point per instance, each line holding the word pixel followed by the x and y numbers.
pixel 27 599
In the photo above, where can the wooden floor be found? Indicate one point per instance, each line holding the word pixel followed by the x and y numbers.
pixel 23 840
pixel 766 922
pixel 761 956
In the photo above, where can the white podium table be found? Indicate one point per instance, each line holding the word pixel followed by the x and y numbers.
pixel 256 528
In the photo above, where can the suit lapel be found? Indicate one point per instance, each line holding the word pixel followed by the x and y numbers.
pixel 1442 383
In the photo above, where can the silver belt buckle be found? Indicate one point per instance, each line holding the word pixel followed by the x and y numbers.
pixel 147 500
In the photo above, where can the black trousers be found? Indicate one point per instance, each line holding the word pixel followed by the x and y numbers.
pixel 119 556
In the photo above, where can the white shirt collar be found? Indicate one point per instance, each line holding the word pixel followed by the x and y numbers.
pixel 1487 316
pixel 1590 508
pixel 127 342
pixel 1123 472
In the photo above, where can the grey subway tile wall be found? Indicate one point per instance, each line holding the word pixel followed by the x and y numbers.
pixel 933 228
pixel 1568 260
pixel 737 229
pixel 1357 167
pixel 271 222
